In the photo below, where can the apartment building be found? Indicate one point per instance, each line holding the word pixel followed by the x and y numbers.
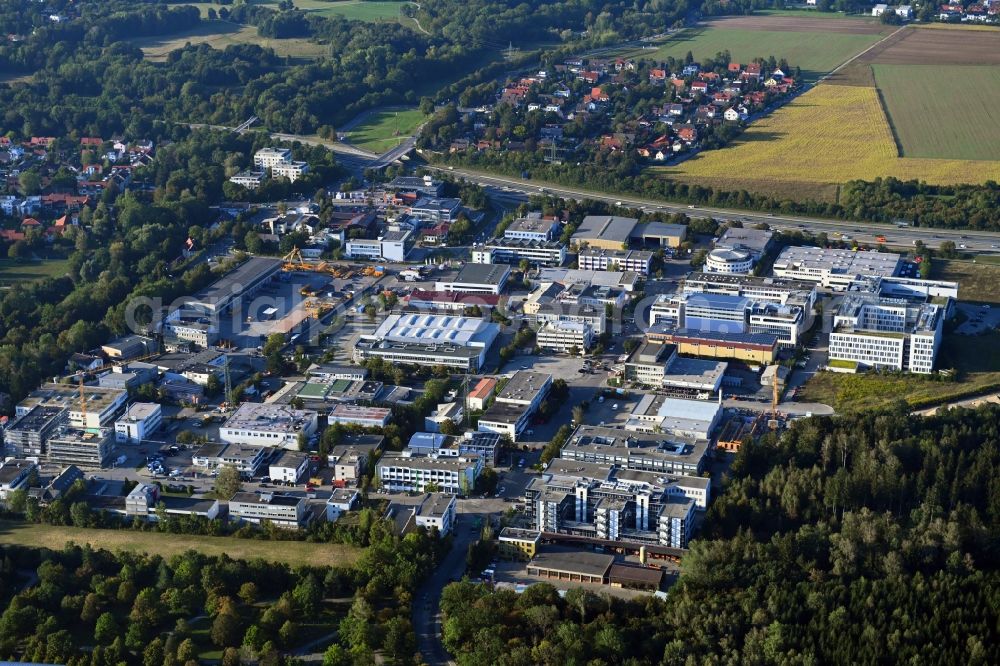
pixel 269 424
pixel 267 158
pixel 886 333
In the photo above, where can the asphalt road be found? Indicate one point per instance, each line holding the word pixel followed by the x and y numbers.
pixel 516 190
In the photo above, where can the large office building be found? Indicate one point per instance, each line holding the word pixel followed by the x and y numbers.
pixel 98 408
pixel 514 250
pixel 423 339
pixel 87 449
pixel 27 435
pixel 604 259
pixel 594 316
pixel 886 333
pixel 533 227
pixel 268 424
pixel 651 452
pixel 612 503
pixel 729 262
pixel 477 279
pixel 515 404
pixel 770 289
pixel 726 313
pixel 564 336
pixel 834 269
pixel 405 472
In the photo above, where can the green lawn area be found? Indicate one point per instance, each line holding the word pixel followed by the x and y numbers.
pixel 976 359
pixel 294 553
pixel 383 130
pixel 936 111
pixel 816 53
pixel 977 280
pixel 12 271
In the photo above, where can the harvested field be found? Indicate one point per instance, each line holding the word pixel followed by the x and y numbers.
pixel 785 23
pixel 823 138
pixel 940 45
pixel 918 97
pixel 219 35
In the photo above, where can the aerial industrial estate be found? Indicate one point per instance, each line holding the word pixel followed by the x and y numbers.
pixel 499 333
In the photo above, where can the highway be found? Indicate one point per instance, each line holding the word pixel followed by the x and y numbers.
pixel 513 191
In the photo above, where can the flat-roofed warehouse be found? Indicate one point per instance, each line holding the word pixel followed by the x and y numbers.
pixel 477 279
pixel 245 280
pixel 423 339
pixel 659 233
pixel 574 567
pixel 604 231
pixel 834 268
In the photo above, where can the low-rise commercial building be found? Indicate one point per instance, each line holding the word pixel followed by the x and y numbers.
pixel 533 227
pixel 604 259
pixel 341 501
pixel 609 232
pixel 755 242
pixel 591 315
pixel 516 403
pixel 349 459
pixel 754 348
pixel 565 336
pixel 886 333
pixel 519 544
pixel 676 416
pixel 736 261
pixel 477 279
pixel 140 421
pixel 424 339
pixel 409 473
pixel 269 424
pixel 288 467
pixel 368 417
pixel 454 301
pixel 15 473
pixel 437 511
pixel 248 460
pixel 280 510
pixel 481 394
pixel 657 364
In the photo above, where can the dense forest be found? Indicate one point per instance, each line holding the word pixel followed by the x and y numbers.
pixel 82 606
pixel 868 539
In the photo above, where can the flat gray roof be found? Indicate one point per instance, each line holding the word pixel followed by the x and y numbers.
pixel 606 227
pixel 491 274
pixel 590 564
pixel 238 279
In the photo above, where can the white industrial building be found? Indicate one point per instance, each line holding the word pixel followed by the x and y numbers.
pixel 424 339
pixel 138 423
pixel 886 333
pixel 268 424
pixel 677 416
pixel 833 268
pixel 565 335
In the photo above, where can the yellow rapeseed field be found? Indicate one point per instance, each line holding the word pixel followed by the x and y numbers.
pixel 827 136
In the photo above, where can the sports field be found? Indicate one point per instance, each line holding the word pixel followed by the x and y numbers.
pixel 937 111
pixel 294 553
pixel 825 137
pixel 383 130
pixel 220 34
pixel 12 272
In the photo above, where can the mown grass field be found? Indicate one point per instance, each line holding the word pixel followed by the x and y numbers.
pixel 293 553
pixel 12 272
pixel 353 9
pixel 825 137
pixel 220 34
pixel 814 52
pixel 384 130
pixel 938 111
pixel 978 281
pixel 976 358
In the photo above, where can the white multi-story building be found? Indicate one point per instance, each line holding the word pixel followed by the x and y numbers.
pixel 513 407
pixel 565 335
pixel 14 475
pixel 533 227
pixel 676 522
pixel 512 251
pixel 437 511
pixel 268 424
pixel 886 333
pixel 249 179
pixel 280 510
pixel 289 467
pixel 268 158
pixel 408 473
pixel 290 170
pixel 138 423
pixel 734 261
pixel 727 313
pixel 423 339
pixel 604 259
pixel 99 408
